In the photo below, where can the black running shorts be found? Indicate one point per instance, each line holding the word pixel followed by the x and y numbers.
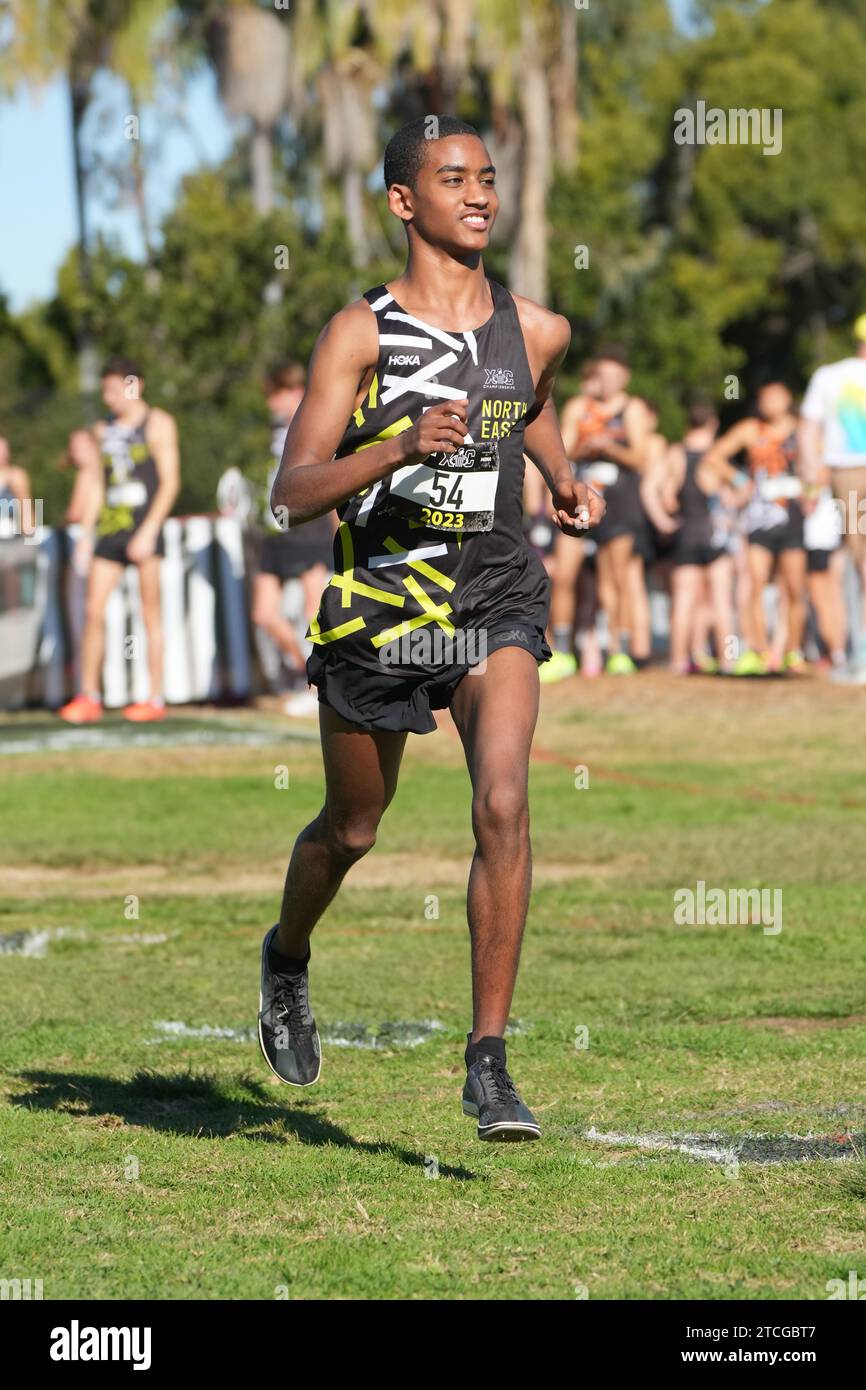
pixel 788 536
pixel 688 553
pixel 379 698
pixel 113 546
pixel 818 561
pixel 288 556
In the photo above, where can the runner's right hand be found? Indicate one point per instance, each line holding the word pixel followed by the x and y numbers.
pixel 441 430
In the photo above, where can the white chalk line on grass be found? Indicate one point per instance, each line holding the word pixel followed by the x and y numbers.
pixel 380 1036
pixel 65 740
pixel 374 1036
pixel 660 1141
pixel 35 943
pixel 172 1028
pixel 755 1148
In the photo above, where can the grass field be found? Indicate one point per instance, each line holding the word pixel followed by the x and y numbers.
pixel 140 1161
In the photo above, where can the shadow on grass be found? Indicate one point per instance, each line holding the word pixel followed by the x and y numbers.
pixel 201 1107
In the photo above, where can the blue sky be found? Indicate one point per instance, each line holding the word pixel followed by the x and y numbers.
pixel 37 224
pixel 37 196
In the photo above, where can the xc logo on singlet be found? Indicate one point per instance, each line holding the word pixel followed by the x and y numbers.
pixel 499 378
pixel 402 359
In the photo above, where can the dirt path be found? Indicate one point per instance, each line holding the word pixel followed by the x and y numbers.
pixel 36 881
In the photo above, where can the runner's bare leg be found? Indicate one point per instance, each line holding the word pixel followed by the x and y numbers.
pixel 495 714
pixel 361 772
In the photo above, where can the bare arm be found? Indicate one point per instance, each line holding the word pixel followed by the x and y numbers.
pixel 638 428
pixel 91 470
pixel 810 440
pixel 572 413
pixel 660 484
pixel 547 337
pixel 19 483
pixel 310 481
pixel 162 439
pixel 77 506
pixel 716 462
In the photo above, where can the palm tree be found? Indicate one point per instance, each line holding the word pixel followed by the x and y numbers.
pixel 529 53
pixel 78 38
pixel 251 52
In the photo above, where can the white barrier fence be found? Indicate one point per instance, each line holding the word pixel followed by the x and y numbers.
pixel 211 651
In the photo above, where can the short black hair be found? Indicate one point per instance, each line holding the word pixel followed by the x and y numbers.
pixel 405 151
pixel 612 352
pixel 772 381
pixel 286 376
pixel 699 411
pixel 122 366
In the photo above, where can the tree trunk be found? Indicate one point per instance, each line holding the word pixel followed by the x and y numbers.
pixel 563 88
pixel 138 181
pixel 262 153
pixel 79 100
pixel 353 210
pixel 528 272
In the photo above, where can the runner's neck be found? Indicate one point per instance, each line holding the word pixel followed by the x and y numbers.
pixel 472 313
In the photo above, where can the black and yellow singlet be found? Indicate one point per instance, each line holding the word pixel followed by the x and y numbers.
pixel 130 477
pixel 439 544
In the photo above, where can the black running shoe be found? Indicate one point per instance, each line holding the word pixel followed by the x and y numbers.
pixel 492 1098
pixel 287 1030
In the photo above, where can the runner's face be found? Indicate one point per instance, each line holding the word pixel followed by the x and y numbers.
pixel 119 393
pixel 284 403
pixel 454 203
pixel 613 377
pixel 774 401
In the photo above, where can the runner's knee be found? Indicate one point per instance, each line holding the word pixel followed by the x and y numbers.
pixel 500 810
pixel 350 837
pixel 94 610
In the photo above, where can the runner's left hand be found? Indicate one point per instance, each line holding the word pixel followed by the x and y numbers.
pixel 142 546
pixel 578 507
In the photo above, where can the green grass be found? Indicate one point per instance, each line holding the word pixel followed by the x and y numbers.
pixel 175 1169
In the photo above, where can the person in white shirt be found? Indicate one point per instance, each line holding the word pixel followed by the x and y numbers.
pixel 833 454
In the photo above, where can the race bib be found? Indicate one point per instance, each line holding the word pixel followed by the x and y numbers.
pixel 780 488
pixel 132 494
pixel 449 492
pixel 602 474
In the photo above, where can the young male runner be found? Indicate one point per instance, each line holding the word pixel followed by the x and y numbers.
pixel 612 455
pixel 421 400
pixel 703 568
pixel 16 504
pixel 134 486
pixel 577 418
pixel 773 519
pixel 303 554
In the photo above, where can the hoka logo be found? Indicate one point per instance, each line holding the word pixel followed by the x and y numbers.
pixel 402 359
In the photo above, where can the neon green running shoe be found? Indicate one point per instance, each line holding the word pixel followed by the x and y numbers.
pixel 794 661
pixel 749 664
pixel 620 664
pixel 706 664
pixel 560 666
